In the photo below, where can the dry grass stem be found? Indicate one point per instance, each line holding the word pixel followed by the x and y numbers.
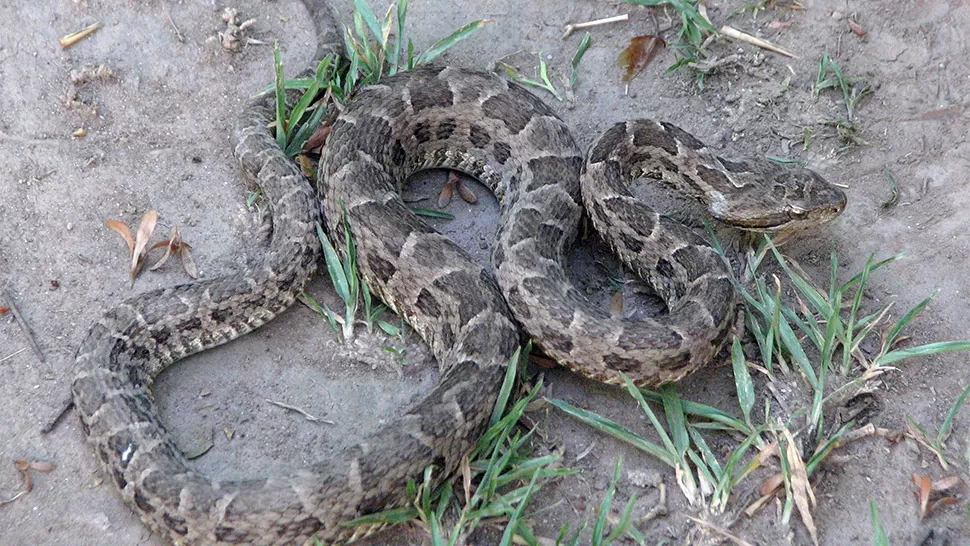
pixel 573 28
pixel 71 39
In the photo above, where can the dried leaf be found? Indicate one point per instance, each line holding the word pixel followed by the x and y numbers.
pixel 466 193
pixel 187 262
pixel 925 487
pixel 638 54
pixel 318 139
pixel 306 165
pixel 856 28
pixel 42 466
pixel 173 243
pixel 445 196
pixel 3 310
pixel 771 484
pixel 616 303
pixel 466 478
pixel 145 229
pixel 944 484
pixel 124 231
pixel 801 487
pixel 941 502
pixel 543 362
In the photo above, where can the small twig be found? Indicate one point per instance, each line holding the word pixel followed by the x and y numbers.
pixel 301 412
pixel 73 38
pixel 23 325
pixel 8 357
pixel 732 32
pixel 573 28
pixel 13 498
pixel 64 406
pixel 720 530
pixel 659 509
pixel 178 34
pixel 586 451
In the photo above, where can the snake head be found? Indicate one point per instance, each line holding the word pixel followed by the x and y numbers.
pixel 770 196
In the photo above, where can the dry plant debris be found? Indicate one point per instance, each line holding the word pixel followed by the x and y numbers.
pixel 454 184
pixel 138 245
pixel 638 54
pixel 928 490
pixel 25 466
pixel 75 37
pixel 175 245
pixel 856 28
pixel 573 28
pixel 230 38
pixel 92 74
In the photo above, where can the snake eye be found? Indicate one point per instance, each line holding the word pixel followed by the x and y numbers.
pixel 797 213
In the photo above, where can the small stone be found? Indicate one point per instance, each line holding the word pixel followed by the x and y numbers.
pixel 645 478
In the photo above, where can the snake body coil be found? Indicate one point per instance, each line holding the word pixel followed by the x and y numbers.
pixel 430 117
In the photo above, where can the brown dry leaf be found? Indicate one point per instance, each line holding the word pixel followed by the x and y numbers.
pixel 42 466
pixel 3 310
pixel 543 362
pixel 466 193
pixel 173 243
pixel 616 303
pixel 25 466
pixel 944 484
pixel 856 28
pixel 638 54
pixel 771 484
pixel 188 264
pixel 144 235
pixel 124 231
pixel 306 165
pixel 801 487
pixel 445 196
pixel 925 487
pixel 318 139
pixel 466 478
pixel 941 502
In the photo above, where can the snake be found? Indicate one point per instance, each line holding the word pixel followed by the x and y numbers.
pixel 504 136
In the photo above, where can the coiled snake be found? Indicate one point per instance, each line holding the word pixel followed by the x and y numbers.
pixel 492 129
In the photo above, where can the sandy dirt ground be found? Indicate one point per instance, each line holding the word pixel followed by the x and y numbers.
pixel 157 138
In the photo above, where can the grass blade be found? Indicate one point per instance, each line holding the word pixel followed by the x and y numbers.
pixel 879 537
pixel 506 391
pixel 922 350
pixel 742 380
pixel 334 267
pixel 615 430
pixel 280 97
pixel 361 7
pixel 674 411
pixel 948 421
pixel 443 44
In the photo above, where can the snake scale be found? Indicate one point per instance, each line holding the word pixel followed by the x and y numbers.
pixel 511 141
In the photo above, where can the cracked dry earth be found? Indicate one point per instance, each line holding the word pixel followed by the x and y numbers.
pixel 157 138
